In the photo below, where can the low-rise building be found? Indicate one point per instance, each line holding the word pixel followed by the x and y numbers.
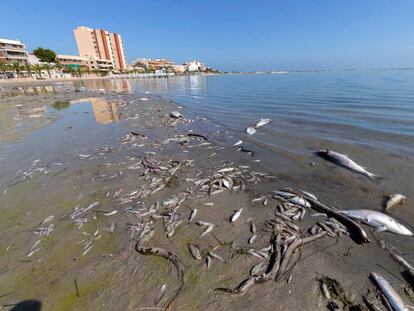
pixel 12 51
pixel 73 61
pixel 194 65
pixel 179 68
pixel 93 63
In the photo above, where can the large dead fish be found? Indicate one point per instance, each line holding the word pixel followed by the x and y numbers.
pixel 344 161
pixel 380 221
pixel 393 298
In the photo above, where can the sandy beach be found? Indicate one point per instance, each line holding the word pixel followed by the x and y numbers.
pixel 87 195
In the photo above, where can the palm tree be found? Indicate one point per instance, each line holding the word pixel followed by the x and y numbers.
pixel 4 67
pixel 38 70
pixel 47 67
pixel 28 69
pixel 16 68
pixel 58 66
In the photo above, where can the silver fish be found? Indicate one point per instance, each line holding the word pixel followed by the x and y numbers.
pixel 192 215
pixel 252 239
pixel 250 130
pixel 214 255
pixel 263 122
pixel 236 215
pixel 343 160
pixel 207 230
pixel 393 298
pixel 239 142
pixel 395 199
pixel 208 261
pixel 195 252
pixel 378 220
pixel 252 227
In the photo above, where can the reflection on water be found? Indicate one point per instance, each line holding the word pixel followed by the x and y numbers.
pixel 33 90
pixel 17 121
pixel 105 111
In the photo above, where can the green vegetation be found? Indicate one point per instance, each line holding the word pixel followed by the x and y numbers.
pixel 45 55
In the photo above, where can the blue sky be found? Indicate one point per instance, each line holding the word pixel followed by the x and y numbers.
pixel 229 34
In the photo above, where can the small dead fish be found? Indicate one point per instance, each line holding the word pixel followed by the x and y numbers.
pixel 175 114
pixel 252 239
pixel 214 255
pixel 252 227
pixel 208 261
pixel 257 268
pixel 160 294
pixel 192 215
pixel 250 130
pixel 111 213
pixel 143 99
pixel 195 252
pixel 309 194
pixel 394 200
pixel 239 142
pixel 226 170
pixel 207 230
pixel 47 219
pixel 325 291
pixel 263 122
pixel 236 215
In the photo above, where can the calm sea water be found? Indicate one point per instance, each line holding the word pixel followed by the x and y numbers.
pixel 373 108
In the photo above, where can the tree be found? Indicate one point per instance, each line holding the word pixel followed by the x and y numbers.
pixel 38 70
pixel 16 68
pixel 28 69
pixel 4 67
pixel 58 66
pixel 47 67
pixel 45 55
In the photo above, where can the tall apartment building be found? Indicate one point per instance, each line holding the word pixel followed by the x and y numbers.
pixel 12 51
pixel 102 44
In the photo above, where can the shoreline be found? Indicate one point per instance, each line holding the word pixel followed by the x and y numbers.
pixel 160 141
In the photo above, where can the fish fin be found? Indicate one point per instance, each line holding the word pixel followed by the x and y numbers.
pixel 380 229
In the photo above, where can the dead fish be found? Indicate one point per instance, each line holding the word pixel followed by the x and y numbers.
pixel 160 294
pixel 325 291
pixel 263 122
pixel 175 114
pixel 143 99
pixel 208 261
pixel 252 227
pixel 236 215
pixel 394 200
pixel 393 298
pixel 250 130
pixel 47 219
pixel 226 170
pixel 192 215
pixel 252 239
pixel 380 221
pixel 343 160
pixel 195 252
pixel 309 194
pixel 214 255
pixel 239 142
pixel 257 268
pixel 207 230
pixel 111 213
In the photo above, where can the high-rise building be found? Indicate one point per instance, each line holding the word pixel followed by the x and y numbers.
pixel 102 44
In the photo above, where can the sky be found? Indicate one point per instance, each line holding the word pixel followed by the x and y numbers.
pixel 229 34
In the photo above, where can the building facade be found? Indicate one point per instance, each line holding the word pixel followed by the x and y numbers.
pixel 101 44
pixel 12 51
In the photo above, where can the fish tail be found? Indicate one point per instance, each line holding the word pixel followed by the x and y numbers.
pixel 375 177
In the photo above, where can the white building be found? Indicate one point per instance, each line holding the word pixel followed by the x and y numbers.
pixel 12 51
pixel 194 65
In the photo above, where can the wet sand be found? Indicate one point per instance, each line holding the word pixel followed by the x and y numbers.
pixel 62 152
